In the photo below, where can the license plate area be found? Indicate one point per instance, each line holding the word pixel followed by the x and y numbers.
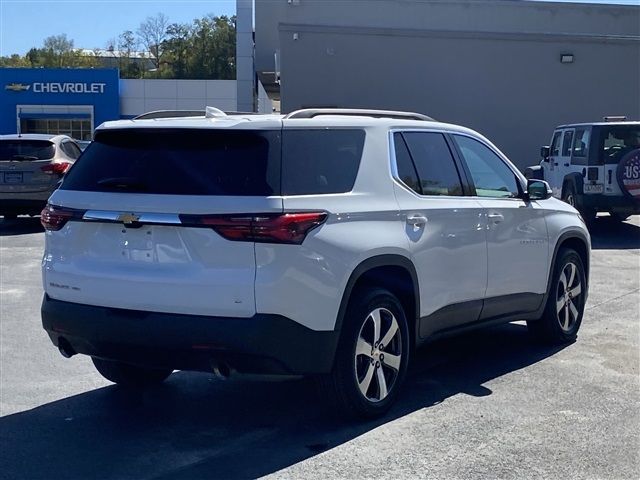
pixel 598 188
pixel 136 244
pixel 13 177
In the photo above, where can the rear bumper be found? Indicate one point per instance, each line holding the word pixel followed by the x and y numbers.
pixel 263 344
pixel 607 202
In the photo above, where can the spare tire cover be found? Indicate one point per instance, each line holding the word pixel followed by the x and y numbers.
pixel 629 174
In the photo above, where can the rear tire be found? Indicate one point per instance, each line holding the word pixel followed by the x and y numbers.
pixel 129 375
pixel 372 357
pixel 563 312
pixel 570 196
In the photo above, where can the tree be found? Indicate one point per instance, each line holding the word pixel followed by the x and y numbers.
pixel 57 50
pixel 127 48
pixel 213 48
pixel 176 48
pixel 152 32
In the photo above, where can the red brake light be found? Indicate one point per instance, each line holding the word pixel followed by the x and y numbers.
pixel 266 228
pixel 54 218
pixel 56 168
pixel 287 228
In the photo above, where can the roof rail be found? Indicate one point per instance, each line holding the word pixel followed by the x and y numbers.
pixel 170 114
pixel 615 118
pixel 316 112
pixel 216 113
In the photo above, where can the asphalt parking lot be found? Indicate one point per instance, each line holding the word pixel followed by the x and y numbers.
pixel 491 404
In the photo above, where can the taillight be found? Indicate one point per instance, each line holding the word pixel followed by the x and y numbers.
pixel 265 228
pixel 53 218
pixel 56 168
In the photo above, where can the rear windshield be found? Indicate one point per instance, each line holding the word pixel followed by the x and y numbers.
pixel 215 162
pixel 26 150
pixel 617 141
pixel 179 162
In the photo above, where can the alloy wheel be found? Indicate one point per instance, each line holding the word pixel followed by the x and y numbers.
pixel 570 200
pixel 378 355
pixel 568 298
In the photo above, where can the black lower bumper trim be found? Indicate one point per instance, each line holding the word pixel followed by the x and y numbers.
pixel 263 344
pixel 609 202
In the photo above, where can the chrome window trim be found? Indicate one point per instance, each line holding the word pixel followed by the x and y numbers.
pixel 143 218
pixel 394 166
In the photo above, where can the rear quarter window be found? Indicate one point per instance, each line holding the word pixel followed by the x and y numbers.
pixel 180 162
pixel 320 161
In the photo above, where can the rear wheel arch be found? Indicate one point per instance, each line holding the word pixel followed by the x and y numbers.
pixel 395 273
pixel 575 180
pixel 574 241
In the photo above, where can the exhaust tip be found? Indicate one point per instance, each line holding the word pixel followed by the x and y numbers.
pixel 65 348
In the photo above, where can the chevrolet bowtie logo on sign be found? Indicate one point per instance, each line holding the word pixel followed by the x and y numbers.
pixel 128 218
pixel 17 87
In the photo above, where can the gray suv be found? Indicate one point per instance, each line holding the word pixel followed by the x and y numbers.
pixel 31 167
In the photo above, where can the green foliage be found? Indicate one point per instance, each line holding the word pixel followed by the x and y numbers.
pixel 203 49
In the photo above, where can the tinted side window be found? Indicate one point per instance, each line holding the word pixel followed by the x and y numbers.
pixel 406 169
pixel 580 149
pixel 320 161
pixel 436 168
pixel 490 174
pixel 74 150
pixel 555 145
pixel 70 149
pixel 566 143
pixel 616 141
pixel 179 162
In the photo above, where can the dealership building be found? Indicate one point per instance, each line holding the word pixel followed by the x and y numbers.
pixel 512 70
pixel 75 101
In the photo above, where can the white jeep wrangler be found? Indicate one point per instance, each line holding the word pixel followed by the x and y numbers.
pixel 595 167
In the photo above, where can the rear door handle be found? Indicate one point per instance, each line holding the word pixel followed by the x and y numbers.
pixel 495 217
pixel 416 220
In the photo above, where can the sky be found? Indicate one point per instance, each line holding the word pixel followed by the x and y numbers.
pixel 92 23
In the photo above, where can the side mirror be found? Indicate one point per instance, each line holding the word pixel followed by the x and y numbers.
pixel 545 153
pixel 538 189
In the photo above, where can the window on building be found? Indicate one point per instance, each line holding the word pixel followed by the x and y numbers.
pixel 80 128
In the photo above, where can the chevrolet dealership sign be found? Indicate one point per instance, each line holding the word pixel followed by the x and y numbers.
pixel 57 87
pixel 42 93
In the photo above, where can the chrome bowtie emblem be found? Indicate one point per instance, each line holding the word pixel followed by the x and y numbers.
pixel 128 218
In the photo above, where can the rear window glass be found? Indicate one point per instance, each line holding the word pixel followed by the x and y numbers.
pixel 26 150
pixel 617 141
pixel 180 162
pixel 320 161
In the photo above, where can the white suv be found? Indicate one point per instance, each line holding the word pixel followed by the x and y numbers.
pixel 324 242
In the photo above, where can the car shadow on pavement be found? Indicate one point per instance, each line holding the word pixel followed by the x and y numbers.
pixel 609 234
pixel 196 426
pixel 20 226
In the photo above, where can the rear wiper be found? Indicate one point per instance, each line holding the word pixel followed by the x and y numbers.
pixel 122 183
pixel 23 157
